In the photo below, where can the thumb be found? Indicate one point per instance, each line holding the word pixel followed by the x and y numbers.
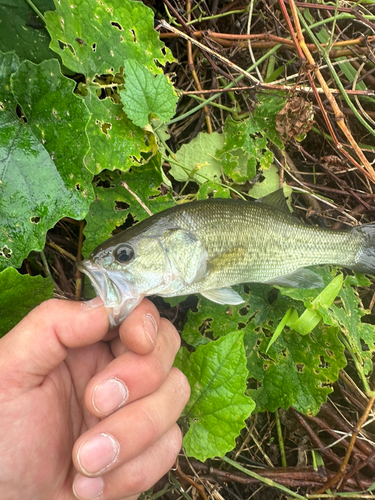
pixel 39 343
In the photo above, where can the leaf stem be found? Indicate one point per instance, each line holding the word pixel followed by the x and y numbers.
pixel 36 10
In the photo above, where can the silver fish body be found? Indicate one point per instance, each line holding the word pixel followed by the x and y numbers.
pixel 208 246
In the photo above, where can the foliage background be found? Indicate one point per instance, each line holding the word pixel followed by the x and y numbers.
pixel 96 126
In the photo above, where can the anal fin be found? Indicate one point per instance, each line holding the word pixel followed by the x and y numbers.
pixel 223 296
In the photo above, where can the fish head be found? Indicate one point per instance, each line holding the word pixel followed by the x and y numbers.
pixel 160 261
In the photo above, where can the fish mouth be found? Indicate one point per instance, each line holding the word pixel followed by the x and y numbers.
pixel 118 296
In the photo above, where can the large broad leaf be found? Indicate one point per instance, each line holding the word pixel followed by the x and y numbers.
pixel 23 291
pixel 217 406
pixel 114 203
pixel 42 146
pixel 296 370
pixel 95 38
pixel 23 31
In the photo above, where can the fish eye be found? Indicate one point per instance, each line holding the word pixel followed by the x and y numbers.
pixel 124 253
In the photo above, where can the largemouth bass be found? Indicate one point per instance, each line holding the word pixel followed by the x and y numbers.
pixel 207 246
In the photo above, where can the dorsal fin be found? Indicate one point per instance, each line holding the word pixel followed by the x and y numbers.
pixel 275 200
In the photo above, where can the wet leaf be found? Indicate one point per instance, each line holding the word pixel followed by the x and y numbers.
pixel 22 31
pixel 96 38
pixel 147 96
pixel 217 406
pixel 24 291
pixel 42 146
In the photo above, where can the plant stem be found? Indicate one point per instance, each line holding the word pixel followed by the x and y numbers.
pixel 280 438
pixel 263 480
pixel 36 10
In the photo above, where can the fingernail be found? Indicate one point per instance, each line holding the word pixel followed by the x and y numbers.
pixel 88 305
pixel 109 395
pixel 97 453
pixel 88 488
pixel 150 327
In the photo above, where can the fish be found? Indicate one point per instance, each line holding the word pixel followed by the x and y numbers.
pixel 208 246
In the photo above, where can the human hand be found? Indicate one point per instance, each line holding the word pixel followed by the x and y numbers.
pixel 84 415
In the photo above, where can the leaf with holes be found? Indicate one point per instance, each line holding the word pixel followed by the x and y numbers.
pixel 246 142
pixel 348 318
pixel 147 96
pixel 296 370
pixel 96 38
pixel 22 31
pixel 42 146
pixel 115 142
pixel 22 290
pixel 114 204
pixel 217 407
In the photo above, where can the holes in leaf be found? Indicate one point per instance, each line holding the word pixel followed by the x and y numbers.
pixel 117 25
pixel 21 115
pixel 329 353
pixel 244 310
pixel 78 186
pixel 6 252
pixel 64 46
pixel 205 326
pixel 105 127
pixel 323 363
pixel 93 46
pixel 1 106
pixel 300 367
pixel 35 219
pixel 241 326
pixel 120 206
pixel 133 35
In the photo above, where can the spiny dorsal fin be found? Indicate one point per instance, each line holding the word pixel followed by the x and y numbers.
pixel 275 200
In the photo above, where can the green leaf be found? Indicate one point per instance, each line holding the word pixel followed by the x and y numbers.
pixel 18 295
pixel 295 370
pixel 22 31
pixel 115 143
pixel 42 176
pixel 246 142
pixel 96 38
pixel 146 95
pixel 218 406
pixel 196 160
pixel 114 204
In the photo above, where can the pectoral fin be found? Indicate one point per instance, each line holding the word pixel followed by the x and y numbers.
pixel 302 278
pixel 223 296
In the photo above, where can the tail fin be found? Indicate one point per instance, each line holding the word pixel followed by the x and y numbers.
pixel 366 255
